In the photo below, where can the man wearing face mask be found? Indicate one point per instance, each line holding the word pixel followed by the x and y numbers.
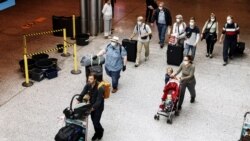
pixel 231 30
pixel 163 19
pixel 144 33
pixel 192 33
pixel 116 60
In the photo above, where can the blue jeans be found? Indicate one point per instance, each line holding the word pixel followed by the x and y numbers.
pixel 115 75
pixel 162 29
pixel 187 48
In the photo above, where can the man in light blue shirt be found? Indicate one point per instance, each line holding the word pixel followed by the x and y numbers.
pixel 116 60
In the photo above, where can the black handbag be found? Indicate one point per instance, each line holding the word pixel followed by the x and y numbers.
pixel 70 132
pixel 206 32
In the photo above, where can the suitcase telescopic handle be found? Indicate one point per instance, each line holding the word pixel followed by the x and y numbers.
pixel 246 114
pixel 71 102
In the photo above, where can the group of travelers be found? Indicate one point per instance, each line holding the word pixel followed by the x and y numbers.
pixel 187 36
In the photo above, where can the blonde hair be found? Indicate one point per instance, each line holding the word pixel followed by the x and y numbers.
pixel 170 70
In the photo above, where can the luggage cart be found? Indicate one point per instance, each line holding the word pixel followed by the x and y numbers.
pixel 245 132
pixel 78 116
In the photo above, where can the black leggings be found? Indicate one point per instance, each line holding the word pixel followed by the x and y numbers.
pixel 211 40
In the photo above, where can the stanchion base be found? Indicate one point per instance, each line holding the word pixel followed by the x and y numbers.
pixel 72 38
pixel 27 84
pixel 76 72
pixel 65 55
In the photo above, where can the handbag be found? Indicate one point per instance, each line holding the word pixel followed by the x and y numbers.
pixel 205 35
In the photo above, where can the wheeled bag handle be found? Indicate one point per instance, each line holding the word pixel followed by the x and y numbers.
pixel 246 114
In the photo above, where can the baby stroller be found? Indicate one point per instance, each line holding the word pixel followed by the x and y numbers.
pixel 170 100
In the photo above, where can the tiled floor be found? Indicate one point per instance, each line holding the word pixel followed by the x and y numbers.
pixel 31 114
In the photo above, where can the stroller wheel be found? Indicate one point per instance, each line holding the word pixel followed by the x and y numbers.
pixel 169 121
pixel 156 117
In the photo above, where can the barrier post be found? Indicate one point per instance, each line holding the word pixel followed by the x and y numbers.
pixel 27 83
pixel 24 45
pixel 75 70
pixel 74 27
pixel 65 53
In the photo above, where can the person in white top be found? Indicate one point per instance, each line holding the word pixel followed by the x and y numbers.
pixel 107 17
pixel 210 32
pixel 179 30
pixel 144 34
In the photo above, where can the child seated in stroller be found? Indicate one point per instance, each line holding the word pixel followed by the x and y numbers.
pixel 170 95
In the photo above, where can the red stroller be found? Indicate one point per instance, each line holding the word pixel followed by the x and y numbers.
pixel 170 100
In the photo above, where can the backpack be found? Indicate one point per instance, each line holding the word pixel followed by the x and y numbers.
pixel 106 85
pixel 70 132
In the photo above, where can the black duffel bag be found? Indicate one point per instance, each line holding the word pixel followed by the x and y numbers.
pixel 69 132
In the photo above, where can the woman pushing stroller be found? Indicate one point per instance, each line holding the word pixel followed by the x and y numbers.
pixel 187 79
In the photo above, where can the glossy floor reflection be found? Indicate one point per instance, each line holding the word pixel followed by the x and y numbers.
pixel 30 114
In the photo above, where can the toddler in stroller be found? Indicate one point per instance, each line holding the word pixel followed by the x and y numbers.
pixel 169 103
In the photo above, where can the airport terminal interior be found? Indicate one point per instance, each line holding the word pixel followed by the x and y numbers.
pixel 35 113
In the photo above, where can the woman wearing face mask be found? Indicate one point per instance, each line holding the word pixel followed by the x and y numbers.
pixel 210 33
pixel 107 17
pixel 192 33
pixel 179 30
pixel 187 79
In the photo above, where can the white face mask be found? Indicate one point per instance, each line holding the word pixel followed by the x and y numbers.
pixel 212 19
pixel 185 62
pixel 229 21
pixel 113 44
pixel 139 23
pixel 178 20
pixel 191 24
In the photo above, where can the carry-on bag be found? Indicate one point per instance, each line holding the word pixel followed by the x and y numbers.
pixel 131 48
pixel 174 55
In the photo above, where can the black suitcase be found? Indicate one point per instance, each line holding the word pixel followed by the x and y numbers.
pixel 240 48
pixel 174 55
pixel 131 48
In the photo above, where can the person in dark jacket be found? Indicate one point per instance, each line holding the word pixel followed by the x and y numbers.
pixel 150 6
pixel 163 19
pixel 231 31
pixel 96 99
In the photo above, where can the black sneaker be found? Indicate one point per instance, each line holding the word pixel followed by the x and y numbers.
pixel 192 100
pixel 100 135
pixel 161 46
pixel 231 57
pixel 179 108
pixel 207 55
pixel 225 63
pixel 94 137
pixel 136 65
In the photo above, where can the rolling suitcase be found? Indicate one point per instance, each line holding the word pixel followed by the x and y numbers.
pixel 131 48
pixel 174 55
pixel 240 48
